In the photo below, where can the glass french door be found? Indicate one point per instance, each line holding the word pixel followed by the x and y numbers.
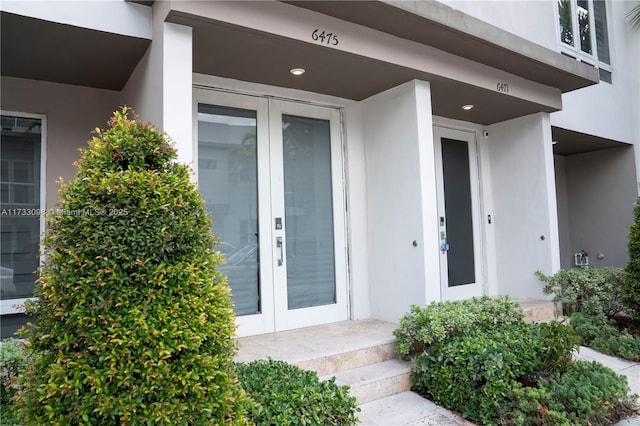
pixel 271 175
pixel 458 225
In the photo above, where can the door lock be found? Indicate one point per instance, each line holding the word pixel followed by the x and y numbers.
pixel 279 246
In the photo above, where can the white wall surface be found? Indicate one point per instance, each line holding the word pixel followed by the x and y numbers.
pixel 401 200
pixel 609 110
pixel 160 87
pixel 115 16
pixel 177 90
pixel 601 193
pixel 357 220
pixel 566 258
pixel 533 20
pixel 143 91
pixel 524 204
pixel 73 112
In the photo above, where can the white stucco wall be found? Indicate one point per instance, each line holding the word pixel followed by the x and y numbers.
pixel 73 112
pixel 533 20
pixel 112 16
pixel 160 87
pixel 356 185
pixel 524 204
pixel 566 259
pixel 601 191
pixel 609 110
pixel 401 200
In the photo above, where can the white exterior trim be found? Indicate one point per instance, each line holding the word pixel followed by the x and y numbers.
pixel 117 17
pixel 16 306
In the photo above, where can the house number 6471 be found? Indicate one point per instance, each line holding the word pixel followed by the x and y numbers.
pixel 502 87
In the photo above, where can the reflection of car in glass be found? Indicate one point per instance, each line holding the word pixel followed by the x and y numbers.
pixel 242 272
pixel 225 249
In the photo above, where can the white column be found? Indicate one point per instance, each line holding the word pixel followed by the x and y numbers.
pixel 177 108
pixel 525 218
pixel 401 200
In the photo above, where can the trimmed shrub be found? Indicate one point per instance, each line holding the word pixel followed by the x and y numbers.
pixel 474 373
pixel 422 327
pixel 593 291
pixel 631 286
pixel 290 396
pixel 134 324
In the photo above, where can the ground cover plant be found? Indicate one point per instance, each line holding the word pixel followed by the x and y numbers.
pixel 134 324
pixel 593 300
pixel 289 396
pixel 504 371
pixel 13 361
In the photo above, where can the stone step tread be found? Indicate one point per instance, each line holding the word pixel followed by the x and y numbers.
pixel 372 373
pixel 376 381
pixel 334 364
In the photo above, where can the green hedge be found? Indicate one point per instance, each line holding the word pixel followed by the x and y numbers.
pixel 474 373
pixel 486 363
pixel 422 327
pixel 134 324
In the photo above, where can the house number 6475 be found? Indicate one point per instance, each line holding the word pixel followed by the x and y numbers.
pixel 324 37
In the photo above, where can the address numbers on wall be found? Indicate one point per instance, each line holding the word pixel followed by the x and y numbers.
pixel 502 87
pixel 324 37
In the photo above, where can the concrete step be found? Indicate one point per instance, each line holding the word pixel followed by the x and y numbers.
pixel 327 349
pixel 348 361
pixel 538 310
pixel 376 381
pixel 408 409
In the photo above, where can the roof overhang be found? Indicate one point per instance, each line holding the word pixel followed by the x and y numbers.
pixel 435 24
pixel 43 50
pixel 260 41
pixel 571 142
pixel 382 45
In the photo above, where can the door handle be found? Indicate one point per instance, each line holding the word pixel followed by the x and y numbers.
pixel 279 246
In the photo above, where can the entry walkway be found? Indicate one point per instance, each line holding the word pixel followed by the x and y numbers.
pixel 361 355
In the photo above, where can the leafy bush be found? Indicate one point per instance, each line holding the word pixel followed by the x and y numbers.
pixel 134 324
pixel 13 360
pixel 593 291
pixel 557 343
pixel 631 286
pixel 422 327
pixel 288 395
pixel 475 373
pixel 599 333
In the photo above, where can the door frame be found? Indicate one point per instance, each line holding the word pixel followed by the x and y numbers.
pixel 470 136
pixel 285 318
pixel 271 292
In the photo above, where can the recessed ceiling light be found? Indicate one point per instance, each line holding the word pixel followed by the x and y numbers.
pixel 467 107
pixel 297 71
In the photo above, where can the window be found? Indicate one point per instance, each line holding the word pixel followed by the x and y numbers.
pixel 21 210
pixel 583 33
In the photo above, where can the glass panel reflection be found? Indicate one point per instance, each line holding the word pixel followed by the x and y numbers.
pixel 20 143
pixel 308 212
pixel 227 176
pixel 566 22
